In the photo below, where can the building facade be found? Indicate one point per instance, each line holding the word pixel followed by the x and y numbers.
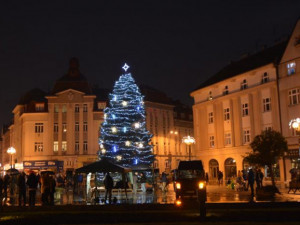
pixel 234 106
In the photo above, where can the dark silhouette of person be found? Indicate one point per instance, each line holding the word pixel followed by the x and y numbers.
pixel 251 182
pixel 220 178
pixel 22 188
pixel 32 183
pixel 52 189
pixel 109 184
pixel 1 188
pixel 6 182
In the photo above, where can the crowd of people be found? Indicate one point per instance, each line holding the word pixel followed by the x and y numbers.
pixel 17 186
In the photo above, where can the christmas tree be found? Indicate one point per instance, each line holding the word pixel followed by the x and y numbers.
pixel 124 139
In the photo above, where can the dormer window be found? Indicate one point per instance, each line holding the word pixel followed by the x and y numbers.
pixel 265 78
pixel 244 85
pixel 39 107
pixel 101 105
pixel 210 96
pixel 291 68
pixel 225 92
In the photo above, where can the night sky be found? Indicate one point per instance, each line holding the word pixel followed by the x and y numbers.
pixel 170 45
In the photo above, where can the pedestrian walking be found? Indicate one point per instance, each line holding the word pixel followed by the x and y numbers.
pixel 261 177
pixel 109 184
pixel 22 188
pixel 257 179
pixel 251 182
pixel 32 183
pixel 220 177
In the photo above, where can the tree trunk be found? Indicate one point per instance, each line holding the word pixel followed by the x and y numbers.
pixel 272 175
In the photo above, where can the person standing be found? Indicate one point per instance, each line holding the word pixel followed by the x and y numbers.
pixel 257 179
pixel 5 185
pixel 52 189
pixel 143 182
pixel 45 188
pixel 251 182
pixel 261 177
pixel 164 180
pixel 1 188
pixel 32 183
pixel 109 184
pixel 22 188
pixel 220 178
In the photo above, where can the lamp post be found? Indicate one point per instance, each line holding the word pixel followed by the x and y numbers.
pixel 11 151
pixel 188 140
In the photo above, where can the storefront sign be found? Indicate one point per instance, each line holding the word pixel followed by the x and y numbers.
pixel 59 165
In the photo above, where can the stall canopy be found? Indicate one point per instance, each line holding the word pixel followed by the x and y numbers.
pixel 102 166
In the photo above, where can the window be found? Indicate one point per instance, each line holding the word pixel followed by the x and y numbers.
pixel 225 92
pixel 268 128
pixel 56 109
pixel 245 109
pixel 210 96
pixel 267 104
pixel 85 146
pixel 101 105
pixel 228 138
pixel 39 107
pixel 265 78
pixel 244 85
pixel 246 137
pixel 167 164
pixel 77 108
pixel 64 127
pixel 64 109
pixel 85 107
pixel 55 146
pixel 210 117
pixel 155 164
pixel 85 126
pixel 294 96
pixel 77 127
pixel 38 146
pixel 55 127
pixel 64 146
pixel 76 146
pixel 39 128
pixel 211 141
pixel 226 114
pixel 291 68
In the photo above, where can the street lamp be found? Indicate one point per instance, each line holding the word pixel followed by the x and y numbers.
pixel 11 151
pixel 188 140
pixel 295 124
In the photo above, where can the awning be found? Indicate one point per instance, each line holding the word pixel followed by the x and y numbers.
pixel 102 166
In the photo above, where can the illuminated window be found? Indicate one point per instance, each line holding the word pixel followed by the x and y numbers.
pixel 245 109
pixel 246 136
pixel 294 96
pixel 225 92
pixel 39 107
pixel 55 127
pixel 291 68
pixel 77 108
pixel 76 127
pixel 267 104
pixel 64 146
pixel 244 85
pixel 210 117
pixel 55 146
pixel 85 126
pixel 167 164
pixel 101 105
pixel 211 141
pixel 265 78
pixel 227 138
pixel 64 109
pixel 155 164
pixel 226 114
pixel 39 128
pixel 56 109
pixel 38 146
pixel 85 107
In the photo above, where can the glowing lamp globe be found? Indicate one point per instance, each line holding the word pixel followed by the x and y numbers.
pixel 11 150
